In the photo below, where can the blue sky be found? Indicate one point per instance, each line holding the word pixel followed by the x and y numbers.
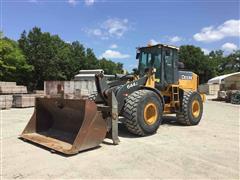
pixel 114 28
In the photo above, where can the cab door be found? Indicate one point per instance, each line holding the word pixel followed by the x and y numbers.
pixel 170 58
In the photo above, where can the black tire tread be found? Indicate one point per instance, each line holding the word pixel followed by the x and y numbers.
pixel 130 110
pixel 182 117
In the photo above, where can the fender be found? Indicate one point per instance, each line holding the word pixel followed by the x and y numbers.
pixel 156 91
pixel 122 92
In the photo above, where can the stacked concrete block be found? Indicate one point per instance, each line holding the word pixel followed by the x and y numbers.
pixel 39 92
pixel 6 101
pixel 210 89
pixel 13 89
pixel 70 89
pixel 6 91
pixel 23 100
pixel 13 95
pixel 81 93
pixel 3 83
pixel 87 87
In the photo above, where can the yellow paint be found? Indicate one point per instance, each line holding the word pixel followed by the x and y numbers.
pixel 203 96
pixel 167 109
pixel 185 85
pixel 151 81
pixel 150 113
pixel 195 108
pixel 189 85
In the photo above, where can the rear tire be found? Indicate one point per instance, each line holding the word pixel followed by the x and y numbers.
pixel 191 109
pixel 143 112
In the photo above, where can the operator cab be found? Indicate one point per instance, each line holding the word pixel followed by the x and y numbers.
pixel 163 58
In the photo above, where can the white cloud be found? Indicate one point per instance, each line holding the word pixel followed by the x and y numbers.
pixel 89 2
pixel 112 27
pixel 229 47
pixel 110 54
pixel 175 39
pixel 114 46
pixel 97 32
pixel 230 28
pixel 205 51
pixel 166 39
pixel 73 2
pixel 153 42
pixel 115 27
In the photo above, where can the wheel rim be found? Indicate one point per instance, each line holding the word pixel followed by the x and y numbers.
pixel 195 108
pixel 150 113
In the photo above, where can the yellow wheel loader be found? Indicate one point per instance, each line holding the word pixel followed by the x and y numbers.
pixel 158 87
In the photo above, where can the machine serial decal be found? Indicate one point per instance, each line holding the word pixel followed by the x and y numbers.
pixel 132 85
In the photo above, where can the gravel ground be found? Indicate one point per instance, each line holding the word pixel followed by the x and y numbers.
pixel 209 150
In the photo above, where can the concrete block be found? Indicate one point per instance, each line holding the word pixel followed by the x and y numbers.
pixel 6 101
pixel 4 83
pixel 24 100
pixel 13 89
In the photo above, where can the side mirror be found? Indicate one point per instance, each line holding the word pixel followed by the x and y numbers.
pixel 181 65
pixel 137 53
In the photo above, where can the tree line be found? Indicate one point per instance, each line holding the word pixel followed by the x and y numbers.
pixel 211 65
pixel 39 56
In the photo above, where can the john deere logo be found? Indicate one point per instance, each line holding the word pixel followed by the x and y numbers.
pixel 184 77
pixel 132 85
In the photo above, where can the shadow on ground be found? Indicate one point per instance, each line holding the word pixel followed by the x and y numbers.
pixel 122 132
pixel 167 121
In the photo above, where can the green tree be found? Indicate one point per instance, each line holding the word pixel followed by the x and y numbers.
pixel 110 67
pixel 230 63
pixel 78 57
pixel 54 59
pixel 91 60
pixel 195 60
pixel 13 65
pixel 50 56
pixel 215 59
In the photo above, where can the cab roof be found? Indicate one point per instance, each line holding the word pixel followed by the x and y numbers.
pixel 159 46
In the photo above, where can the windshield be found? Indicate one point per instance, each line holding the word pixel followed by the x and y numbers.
pixel 150 59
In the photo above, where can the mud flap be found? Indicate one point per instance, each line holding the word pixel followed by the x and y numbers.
pixel 66 125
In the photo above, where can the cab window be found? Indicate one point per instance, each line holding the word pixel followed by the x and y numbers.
pixel 148 60
pixel 168 63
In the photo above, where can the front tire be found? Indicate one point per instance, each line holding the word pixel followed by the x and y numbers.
pixel 143 112
pixel 191 109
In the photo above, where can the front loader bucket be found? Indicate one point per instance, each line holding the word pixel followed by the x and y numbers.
pixel 66 125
